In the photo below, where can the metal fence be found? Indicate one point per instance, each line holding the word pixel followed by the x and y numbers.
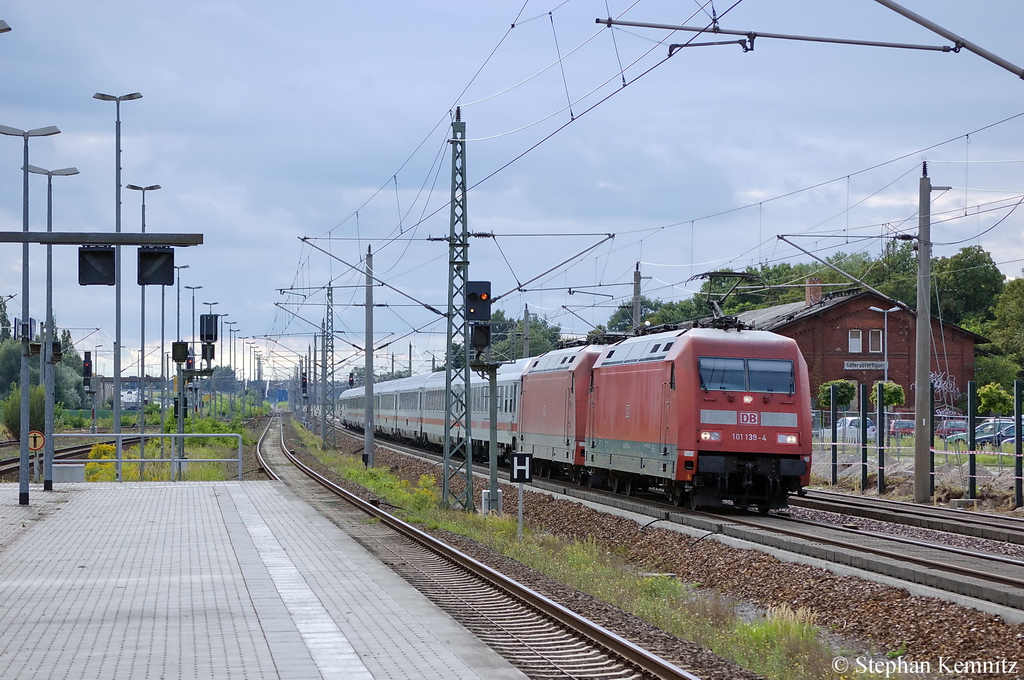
pixel 177 462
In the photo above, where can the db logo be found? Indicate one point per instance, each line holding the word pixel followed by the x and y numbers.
pixel 748 418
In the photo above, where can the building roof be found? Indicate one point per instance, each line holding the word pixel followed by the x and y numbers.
pixel 780 316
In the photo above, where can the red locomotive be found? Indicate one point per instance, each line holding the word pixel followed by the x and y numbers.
pixel 709 416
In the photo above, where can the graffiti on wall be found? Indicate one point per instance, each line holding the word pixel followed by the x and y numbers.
pixel 946 391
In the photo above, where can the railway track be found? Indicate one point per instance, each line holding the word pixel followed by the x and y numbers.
pixel 536 634
pixel 960 572
pixel 10 466
pixel 964 522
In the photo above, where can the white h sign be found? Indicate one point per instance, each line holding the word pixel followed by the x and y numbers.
pixel 521 468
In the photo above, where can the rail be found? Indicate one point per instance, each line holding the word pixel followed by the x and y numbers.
pixel 623 648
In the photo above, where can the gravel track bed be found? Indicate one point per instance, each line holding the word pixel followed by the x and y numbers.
pixel 685 654
pixel 870 615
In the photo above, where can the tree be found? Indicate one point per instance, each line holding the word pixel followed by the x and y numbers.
pixel 892 394
pixel 10 410
pixel 996 369
pixel 896 273
pixel 621 321
pixel 1008 320
pixel 5 321
pixel 678 312
pixel 994 399
pixel 968 284
pixel 845 392
pixel 507 336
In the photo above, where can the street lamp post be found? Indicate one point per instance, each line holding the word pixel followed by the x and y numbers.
pixel 46 363
pixel 231 363
pixel 142 343
pixel 218 387
pixel 178 281
pixel 25 374
pixel 117 258
pixel 192 340
pixel 885 336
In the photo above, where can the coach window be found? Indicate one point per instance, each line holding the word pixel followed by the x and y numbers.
pixel 855 341
pixel 875 341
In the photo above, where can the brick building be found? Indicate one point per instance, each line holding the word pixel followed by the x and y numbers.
pixel 842 337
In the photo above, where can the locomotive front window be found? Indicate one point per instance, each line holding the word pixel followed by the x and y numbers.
pixel 730 374
pixel 722 373
pixel 770 375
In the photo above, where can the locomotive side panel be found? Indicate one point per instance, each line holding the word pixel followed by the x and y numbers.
pixel 630 428
pixel 554 404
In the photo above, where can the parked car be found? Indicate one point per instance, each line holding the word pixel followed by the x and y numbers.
pixel 987 431
pixel 950 426
pixel 848 429
pixel 997 438
pixel 901 427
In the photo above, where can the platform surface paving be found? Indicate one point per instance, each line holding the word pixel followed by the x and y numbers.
pixel 209 580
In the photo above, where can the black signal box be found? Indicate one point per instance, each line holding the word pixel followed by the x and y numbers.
pixel 179 352
pixel 96 266
pixel 208 328
pixel 478 300
pixel 156 266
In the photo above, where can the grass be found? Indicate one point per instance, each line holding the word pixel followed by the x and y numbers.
pixel 102 466
pixel 780 643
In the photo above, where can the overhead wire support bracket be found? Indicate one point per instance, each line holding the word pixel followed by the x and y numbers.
pixel 521 287
pixel 308 241
pixel 750 35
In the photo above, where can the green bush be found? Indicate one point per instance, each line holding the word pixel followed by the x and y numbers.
pixel 845 392
pixel 10 410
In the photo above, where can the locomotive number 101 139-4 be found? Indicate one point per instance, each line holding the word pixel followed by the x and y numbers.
pixel 749 437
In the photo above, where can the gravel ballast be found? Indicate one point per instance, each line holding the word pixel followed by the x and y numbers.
pixel 865 614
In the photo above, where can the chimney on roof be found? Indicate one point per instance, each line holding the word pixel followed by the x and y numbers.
pixel 812 292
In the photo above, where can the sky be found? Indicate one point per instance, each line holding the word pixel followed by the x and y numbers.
pixel 296 137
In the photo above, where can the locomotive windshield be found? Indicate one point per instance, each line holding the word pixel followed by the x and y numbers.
pixel 746 375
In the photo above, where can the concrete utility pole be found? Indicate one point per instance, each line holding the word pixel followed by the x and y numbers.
pixel 526 331
pixel 368 443
pixel 922 373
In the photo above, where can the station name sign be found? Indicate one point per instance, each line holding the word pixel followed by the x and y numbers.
pixel 864 365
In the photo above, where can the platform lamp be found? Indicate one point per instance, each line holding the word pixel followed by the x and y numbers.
pixel 46 357
pixel 25 374
pixel 231 363
pixel 885 336
pixel 142 342
pixel 117 258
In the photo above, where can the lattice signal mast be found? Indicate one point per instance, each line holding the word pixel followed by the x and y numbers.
pixel 457 439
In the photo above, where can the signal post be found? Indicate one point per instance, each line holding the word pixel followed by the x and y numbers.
pixel 478 315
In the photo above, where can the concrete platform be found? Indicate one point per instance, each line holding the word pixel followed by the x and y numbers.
pixel 209 580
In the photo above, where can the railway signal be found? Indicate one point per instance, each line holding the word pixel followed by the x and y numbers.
pixel 87 370
pixel 478 300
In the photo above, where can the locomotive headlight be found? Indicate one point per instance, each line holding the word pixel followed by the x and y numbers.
pixel 748 399
pixel 787 439
pixel 710 436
